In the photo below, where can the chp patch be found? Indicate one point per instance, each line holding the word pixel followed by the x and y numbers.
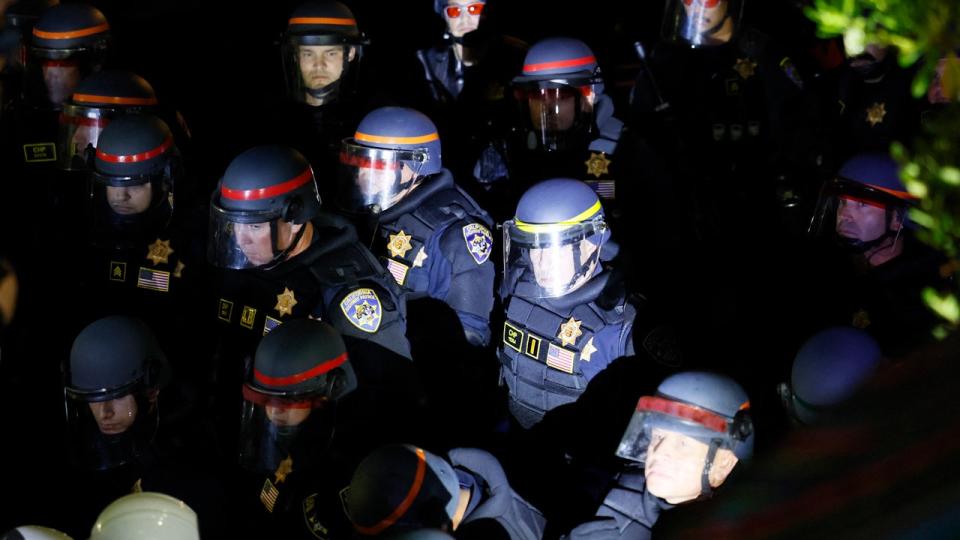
pixel 479 242
pixel 363 309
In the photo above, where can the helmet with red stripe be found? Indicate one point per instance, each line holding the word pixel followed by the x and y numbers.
pixel 99 98
pixel 399 488
pixel 299 372
pixel 392 151
pixel 68 42
pixel 556 92
pixel 267 194
pixel 321 47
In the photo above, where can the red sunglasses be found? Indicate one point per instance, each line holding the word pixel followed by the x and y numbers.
pixel 474 9
pixel 705 3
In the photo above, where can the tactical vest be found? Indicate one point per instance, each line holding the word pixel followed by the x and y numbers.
pixel 543 350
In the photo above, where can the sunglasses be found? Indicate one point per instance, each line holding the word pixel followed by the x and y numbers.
pixel 455 11
pixel 705 3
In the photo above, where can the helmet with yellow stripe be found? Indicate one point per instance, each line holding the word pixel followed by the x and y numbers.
pixel 298 373
pixel 555 238
pixel 392 151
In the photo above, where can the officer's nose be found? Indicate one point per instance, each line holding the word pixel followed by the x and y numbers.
pixel 106 410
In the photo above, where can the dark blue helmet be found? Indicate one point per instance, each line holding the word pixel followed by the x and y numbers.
pixel 551 216
pixel 560 58
pixel 880 174
pixel 829 368
pixel 393 149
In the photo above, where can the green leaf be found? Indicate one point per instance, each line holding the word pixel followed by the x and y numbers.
pixel 944 305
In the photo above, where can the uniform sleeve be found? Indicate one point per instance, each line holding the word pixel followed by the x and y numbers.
pixel 467 247
pixel 370 311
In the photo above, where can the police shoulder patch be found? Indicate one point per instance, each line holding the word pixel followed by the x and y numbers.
pixel 363 309
pixel 479 242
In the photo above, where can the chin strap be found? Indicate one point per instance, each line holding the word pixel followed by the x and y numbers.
pixel 282 256
pixel 706 490
pixel 326 94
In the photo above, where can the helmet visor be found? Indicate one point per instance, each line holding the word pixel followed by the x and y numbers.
pixel 700 23
pixel 555 258
pixel 80 129
pixel 852 212
pixel 374 179
pixel 555 111
pixel 242 240
pixel 656 412
pixel 106 430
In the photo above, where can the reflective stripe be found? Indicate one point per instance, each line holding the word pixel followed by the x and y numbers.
pixel 705 418
pixel 302 376
pixel 267 192
pixel 896 193
pixel 90 98
pixel 336 21
pixel 405 504
pixel 560 225
pixel 71 33
pixel 365 137
pixel 135 158
pixel 530 68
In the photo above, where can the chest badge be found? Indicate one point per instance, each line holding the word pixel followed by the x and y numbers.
pixel 745 67
pixel 876 113
pixel 283 470
pixel 421 256
pixel 159 252
pixel 399 244
pixel 588 350
pixel 598 164
pixel 479 242
pixel 285 302
pixel 362 308
pixel 569 332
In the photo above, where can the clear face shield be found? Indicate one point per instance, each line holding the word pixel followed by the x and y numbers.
pixel 558 115
pixel 243 240
pixel 556 258
pixel 317 68
pixel 53 74
pixel 80 129
pixel 701 23
pixel 108 429
pixel 374 179
pixel 656 414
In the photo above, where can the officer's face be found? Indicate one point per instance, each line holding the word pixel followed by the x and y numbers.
pixel 287 417
pixel 60 80
pixel 555 267
pixel 116 415
pixel 322 65
pixel 705 13
pixel 129 200
pixel 674 466
pixel 465 23
pixel 552 109
pixel 377 184
pixel 254 239
pixel 862 220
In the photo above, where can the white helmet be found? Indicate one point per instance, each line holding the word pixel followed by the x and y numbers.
pixel 146 516
pixel 34 532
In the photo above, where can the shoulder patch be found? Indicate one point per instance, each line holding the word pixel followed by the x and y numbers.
pixel 363 309
pixel 479 242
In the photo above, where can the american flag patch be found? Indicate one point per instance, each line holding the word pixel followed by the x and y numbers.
pixel 560 358
pixel 398 270
pixel 268 495
pixel 155 280
pixel 606 189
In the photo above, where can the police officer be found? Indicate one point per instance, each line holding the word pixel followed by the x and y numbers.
pixel 401 488
pixel 299 375
pixel 431 236
pixel 567 314
pixel 683 443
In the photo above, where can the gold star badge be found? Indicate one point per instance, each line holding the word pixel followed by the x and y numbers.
pixel 745 67
pixel 285 302
pixel 569 332
pixel 159 252
pixel 399 244
pixel 421 256
pixel 598 164
pixel 588 350
pixel 178 271
pixel 876 113
pixel 284 469
pixel 861 319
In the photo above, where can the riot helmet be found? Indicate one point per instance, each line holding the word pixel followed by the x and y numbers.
pixel 392 151
pixel 322 48
pixel 260 209
pixel 33 532
pixel 701 23
pixel 553 243
pixel 68 43
pixel 111 386
pixel 20 18
pixel 146 515
pixel 556 93
pixel 99 98
pixel 299 372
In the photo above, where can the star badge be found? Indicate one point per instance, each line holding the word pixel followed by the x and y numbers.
pixel 284 469
pixel 861 319
pixel 285 302
pixel 588 350
pixel 178 271
pixel 876 113
pixel 745 67
pixel 399 244
pixel 421 256
pixel 598 164
pixel 569 332
pixel 159 252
